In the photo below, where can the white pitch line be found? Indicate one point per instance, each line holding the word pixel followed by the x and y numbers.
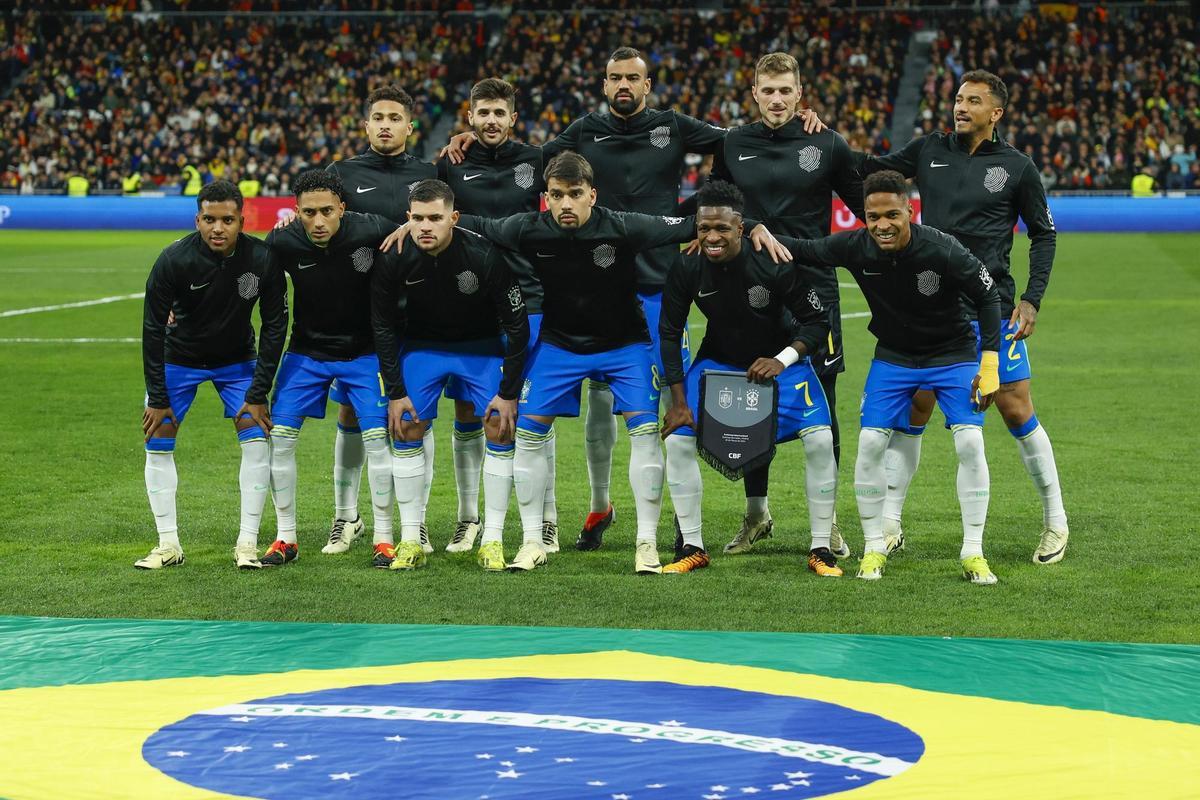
pixel 33 340
pixel 17 312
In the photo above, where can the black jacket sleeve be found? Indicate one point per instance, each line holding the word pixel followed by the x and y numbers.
pixel 1033 208
pixel 273 312
pixel 699 137
pixel 505 231
pixel 829 251
pixel 505 293
pixel 977 284
pixel 846 180
pixel 903 160
pixel 811 322
pixel 676 303
pixel 160 296
pixel 386 283
pixel 645 230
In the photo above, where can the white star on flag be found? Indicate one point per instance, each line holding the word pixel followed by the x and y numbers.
pixel 342 776
pixel 507 764
pixel 637 741
pixel 305 758
pixel 595 783
pixel 656 786
pixel 672 723
pixel 621 797
pixel 483 755
pixel 714 797
pixel 527 749
pixel 781 787
pixel 509 773
pixel 853 778
pixel 750 790
pixel 178 754
pixel 279 744
pixel 240 719
pixel 394 739
pixel 719 788
pixel 564 760
pixel 237 748
pixel 798 774
pixel 284 765
pixel 801 783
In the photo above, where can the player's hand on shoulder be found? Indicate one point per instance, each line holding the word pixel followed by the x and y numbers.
pixel 812 123
pixel 505 412
pixel 395 239
pixel 760 237
pixel 764 370
pixel 1025 317
pixel 457 149
pixel 155 418
pixel 285 218
pixel 692 247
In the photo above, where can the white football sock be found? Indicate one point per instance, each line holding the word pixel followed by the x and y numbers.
pixel 427 444
pixel 973 487
pixel 379 478
pixel 161 483
pixel 348 459
pixel 820 482
pixel 756 508
pixel 497 489
pixel 408 476
pixel 600 436
pixel 646 477
pixel 687 488
pixel 550 503
pixel 254 479
pixel 870 485
pixel 530 472
pixel 901 461
pixel 469 446
pixel 283 480
pixel 1038 456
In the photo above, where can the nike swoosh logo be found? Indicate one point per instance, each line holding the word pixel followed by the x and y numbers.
pixel 833 360
pixel 706 294
pixel 810 412
pixel 746 158
pixel 413 283
pixel 201 286
pixel 601 138
pixel 306 266
pixel 471 177
pixel 381 405
pixel 1046 558
pixel 364 189
pixel 156 491
pixel 1011 367
pixel 935 164
pixel 545 255
pixel 258 487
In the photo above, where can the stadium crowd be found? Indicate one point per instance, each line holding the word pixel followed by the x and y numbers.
pixel 1097 96
pixel 131 100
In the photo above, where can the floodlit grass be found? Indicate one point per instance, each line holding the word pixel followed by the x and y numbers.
pixel 1115 362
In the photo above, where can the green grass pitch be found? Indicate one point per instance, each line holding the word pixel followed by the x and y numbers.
pixel 1115 362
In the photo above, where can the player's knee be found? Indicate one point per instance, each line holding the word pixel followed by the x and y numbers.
pixel 872 444
pixel 160 444
pixel 464 411
pixel 167 430
pixel 346 416
pixel 968 445
pixel 413 431
pixel 818 444
pixel 1014 403
pixel 491 430
pixel 921 408
pixel 375 441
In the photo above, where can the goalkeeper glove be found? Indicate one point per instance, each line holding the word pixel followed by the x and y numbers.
pixel 989 375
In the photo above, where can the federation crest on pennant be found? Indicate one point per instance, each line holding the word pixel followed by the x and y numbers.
pixel 248 286
pixel 995 178
pixel 523 176
pixel 752 400
pixel 725 398
pixel 362 259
